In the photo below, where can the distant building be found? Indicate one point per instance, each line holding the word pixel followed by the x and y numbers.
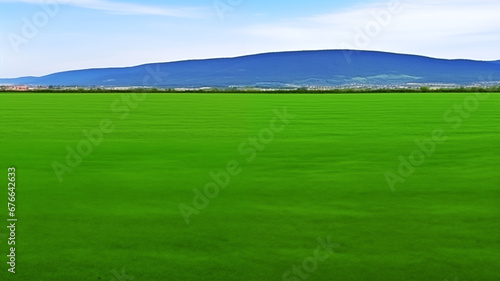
pixel 22 88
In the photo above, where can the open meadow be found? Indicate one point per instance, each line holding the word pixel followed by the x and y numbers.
pixel 252 187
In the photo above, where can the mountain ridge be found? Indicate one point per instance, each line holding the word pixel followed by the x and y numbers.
pixel 320 68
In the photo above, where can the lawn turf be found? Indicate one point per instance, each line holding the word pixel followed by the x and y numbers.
pixel 322 176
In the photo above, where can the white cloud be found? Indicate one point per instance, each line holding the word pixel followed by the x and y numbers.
pixel 122 8
pixel 446 28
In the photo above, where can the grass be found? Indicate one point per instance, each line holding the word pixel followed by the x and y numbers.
pixel 322 176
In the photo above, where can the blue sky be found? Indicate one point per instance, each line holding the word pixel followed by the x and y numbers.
pixel 39 37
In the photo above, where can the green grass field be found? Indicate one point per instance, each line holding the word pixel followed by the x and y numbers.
pixel 322 176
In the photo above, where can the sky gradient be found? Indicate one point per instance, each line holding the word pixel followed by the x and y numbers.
pixel 42 37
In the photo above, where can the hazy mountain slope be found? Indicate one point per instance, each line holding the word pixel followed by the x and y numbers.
pixel 304 68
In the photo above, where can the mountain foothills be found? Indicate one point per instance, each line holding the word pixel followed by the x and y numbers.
pixel 328 68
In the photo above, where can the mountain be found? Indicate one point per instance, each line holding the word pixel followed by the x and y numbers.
pixel 301 68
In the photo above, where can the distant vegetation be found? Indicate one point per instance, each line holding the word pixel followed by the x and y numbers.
pixel 425 89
